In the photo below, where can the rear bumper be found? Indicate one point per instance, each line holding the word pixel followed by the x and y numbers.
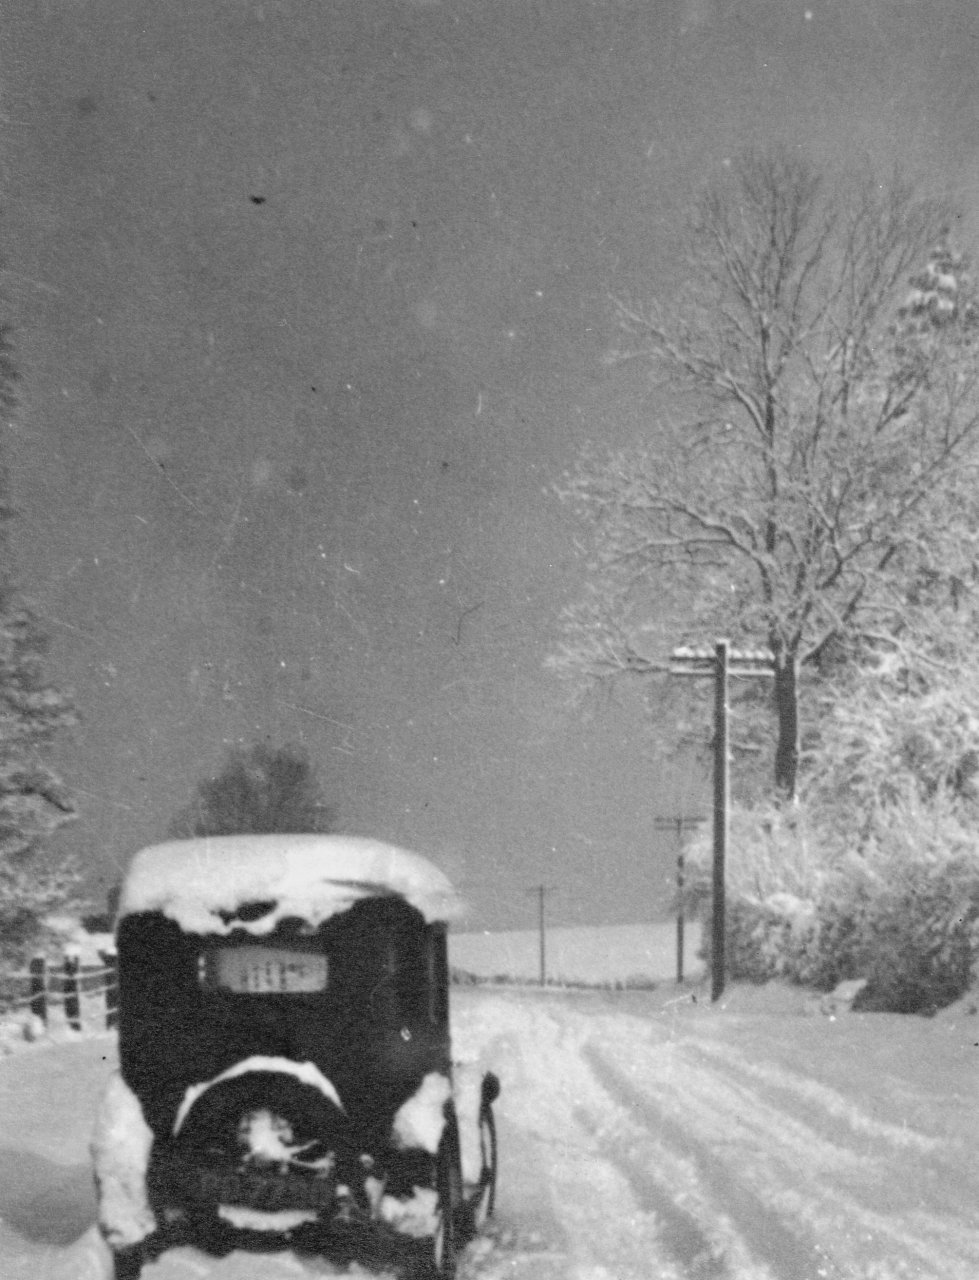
pixel 402 1200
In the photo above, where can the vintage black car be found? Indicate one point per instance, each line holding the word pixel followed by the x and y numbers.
pixel 286 1076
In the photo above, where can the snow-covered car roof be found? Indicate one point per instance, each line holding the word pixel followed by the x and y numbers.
pixel 202 883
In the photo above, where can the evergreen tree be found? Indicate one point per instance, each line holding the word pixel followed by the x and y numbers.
pixel 34 801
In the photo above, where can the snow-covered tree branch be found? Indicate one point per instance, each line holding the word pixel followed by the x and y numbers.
pixel 821 455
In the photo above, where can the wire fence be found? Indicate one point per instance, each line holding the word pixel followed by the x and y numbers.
pixel 85 994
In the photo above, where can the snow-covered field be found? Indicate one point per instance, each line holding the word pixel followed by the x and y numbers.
pixel 642 1135
pixel 581 953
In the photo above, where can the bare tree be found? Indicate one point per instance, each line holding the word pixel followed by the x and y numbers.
pixel 816 475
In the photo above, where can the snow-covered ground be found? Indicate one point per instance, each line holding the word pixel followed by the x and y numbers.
pixel 642 1135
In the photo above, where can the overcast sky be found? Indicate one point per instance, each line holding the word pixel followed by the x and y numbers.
pixel 311 298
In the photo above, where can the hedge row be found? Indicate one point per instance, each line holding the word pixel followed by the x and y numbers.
pixel 913 934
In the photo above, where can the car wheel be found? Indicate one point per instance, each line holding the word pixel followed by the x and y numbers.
pixel 259 1116
pixel 448 1185
pixel 486 1202
pixel 127 1264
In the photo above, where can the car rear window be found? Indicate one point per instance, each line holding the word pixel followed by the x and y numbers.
pixel 263 970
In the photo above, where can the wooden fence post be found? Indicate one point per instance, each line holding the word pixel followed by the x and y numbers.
pixel 111 961
pixel 39 988
pixel 73 1010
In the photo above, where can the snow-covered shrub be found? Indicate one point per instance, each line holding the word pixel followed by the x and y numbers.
pixel 882 749
pixel 771 851
pixel 914 945
pixel 19 1028
pixel 904 913
pixel 774 874
pixel 770 939
pixel 901 908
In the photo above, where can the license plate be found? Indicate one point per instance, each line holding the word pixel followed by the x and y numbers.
pixel 265 1192
pixel 177 1179
pixel 269 971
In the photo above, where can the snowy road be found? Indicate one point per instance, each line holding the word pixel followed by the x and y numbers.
pixel 639 1138
pixel 692 1142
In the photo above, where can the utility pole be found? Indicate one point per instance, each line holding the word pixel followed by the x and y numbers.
pixel 680 824
pixel 718 664
pixel 541 890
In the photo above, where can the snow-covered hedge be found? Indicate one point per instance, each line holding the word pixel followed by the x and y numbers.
pixel 902 911
pixel 913 934
pixel 776 938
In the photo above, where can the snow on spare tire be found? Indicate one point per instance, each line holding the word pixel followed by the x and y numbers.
pixel 273 1111
pixel 270 1110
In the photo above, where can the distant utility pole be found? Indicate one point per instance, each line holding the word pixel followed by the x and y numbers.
pixel 541 890
pixel 680 824
pixel 718 664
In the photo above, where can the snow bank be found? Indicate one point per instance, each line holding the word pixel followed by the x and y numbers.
pixel 120 1154
pixel 195 882
pixel 20 1028
pixel 419 1121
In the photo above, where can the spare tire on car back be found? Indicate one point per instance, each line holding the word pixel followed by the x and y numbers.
pixel 264 1140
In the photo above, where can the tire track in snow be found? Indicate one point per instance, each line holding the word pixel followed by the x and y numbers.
pixel 876 1190
pixel 785 1252
pixel 526 1237
pixel 622 1221
pixel 554 1171
pixel 680 1232
pixel 826 1109
pixel 892 1156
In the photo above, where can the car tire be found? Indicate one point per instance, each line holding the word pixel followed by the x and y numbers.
pixel 448 1186
pixel 486 1203
pixel 211 1126
pixel 127 1264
